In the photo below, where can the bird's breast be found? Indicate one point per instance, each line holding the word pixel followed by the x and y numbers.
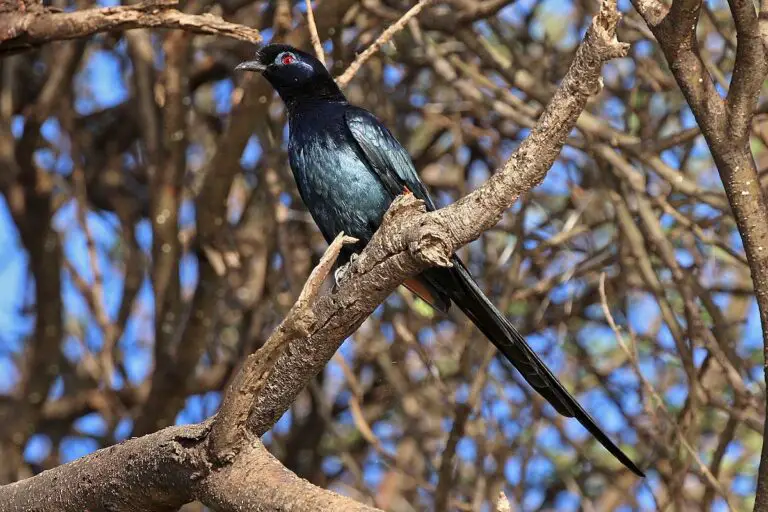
pixel 340 190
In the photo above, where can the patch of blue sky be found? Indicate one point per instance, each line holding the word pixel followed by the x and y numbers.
pixel 388 443
pixel 699 355
pixel 717 4
pixel 466 449
pixel 743 485
pixel 626 379
pixel 17 126
pixel 642 307
pixel 51 130
pixel 393 74
pixel 331 465
pixel 609 416
pixel 658 106
pixel 418 99
pixel 516 12
pixel 71 348
pixel 102 76
pixel 675 396
pixel 751 339
pixel 532 500
pixel 13 278
pixel 462 393
pixel 72 448
pixel 387 430
pixel 144 235
pixel 510 429
pixel 92 424
pixel 188 272
pixel 702 211
pixel 643 48
pixel 612 111
pixel 44 158
pixel 684 257
pixel 198 407
pixel 56 390
pixel 388 331
pixel 187 214
pixel 644 494
pixel 222 96
pixel 478 173
pixel 75 304
pixel 9 373
pixel 373 474
pixel 556 181
pixel 567 501
pixel 123 429
pixel 38 447
pixel 138 360
pixel 283 425
pixel 735 241
pixel 539 468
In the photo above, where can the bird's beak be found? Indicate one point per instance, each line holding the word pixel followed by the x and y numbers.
pixel 251 65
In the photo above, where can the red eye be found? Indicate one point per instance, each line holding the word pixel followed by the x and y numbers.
pixel 287 58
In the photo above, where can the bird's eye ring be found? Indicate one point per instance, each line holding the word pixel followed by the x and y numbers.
pixel 285 58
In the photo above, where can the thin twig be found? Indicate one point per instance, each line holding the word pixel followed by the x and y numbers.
pixel 96 290
pixel 313 34
pixel 662 406
pixel 384 38
pixel 229 427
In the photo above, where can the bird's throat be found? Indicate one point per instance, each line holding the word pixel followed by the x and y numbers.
pixel 307 93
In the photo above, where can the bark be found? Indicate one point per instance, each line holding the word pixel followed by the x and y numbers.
pixel 20 30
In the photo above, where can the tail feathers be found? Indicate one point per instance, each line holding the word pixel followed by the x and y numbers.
pixel 511 343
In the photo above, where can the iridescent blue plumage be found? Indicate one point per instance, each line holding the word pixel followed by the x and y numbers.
pixel 349 168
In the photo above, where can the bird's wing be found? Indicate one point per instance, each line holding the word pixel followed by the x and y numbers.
pixel 392 164
pixel 386 156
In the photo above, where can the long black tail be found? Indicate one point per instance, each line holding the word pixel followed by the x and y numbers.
pixel 511 343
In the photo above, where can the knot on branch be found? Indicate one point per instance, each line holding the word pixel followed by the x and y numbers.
pixel 600 45
pixel 404 205
pixel 433 247
pixel 427 241
pixel 604 29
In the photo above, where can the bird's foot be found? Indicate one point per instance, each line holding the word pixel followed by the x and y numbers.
pixel 341 273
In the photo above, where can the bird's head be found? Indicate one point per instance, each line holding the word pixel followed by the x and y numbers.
pixel 295 74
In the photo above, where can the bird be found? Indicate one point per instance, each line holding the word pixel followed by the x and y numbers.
pixel 348 168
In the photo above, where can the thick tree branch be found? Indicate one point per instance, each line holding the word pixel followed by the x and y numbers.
pixel 20 30
pixel 162 471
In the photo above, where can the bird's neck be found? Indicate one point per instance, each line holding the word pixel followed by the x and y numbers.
pixel 313 92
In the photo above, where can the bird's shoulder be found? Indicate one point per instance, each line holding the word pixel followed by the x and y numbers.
pixel 385 154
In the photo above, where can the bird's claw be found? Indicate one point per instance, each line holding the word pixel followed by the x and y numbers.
pixel 341 273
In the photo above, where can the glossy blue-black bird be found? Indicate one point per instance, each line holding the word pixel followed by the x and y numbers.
pixel 349 168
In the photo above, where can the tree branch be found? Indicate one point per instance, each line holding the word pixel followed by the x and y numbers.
pixel 162 471
pixel 19 31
